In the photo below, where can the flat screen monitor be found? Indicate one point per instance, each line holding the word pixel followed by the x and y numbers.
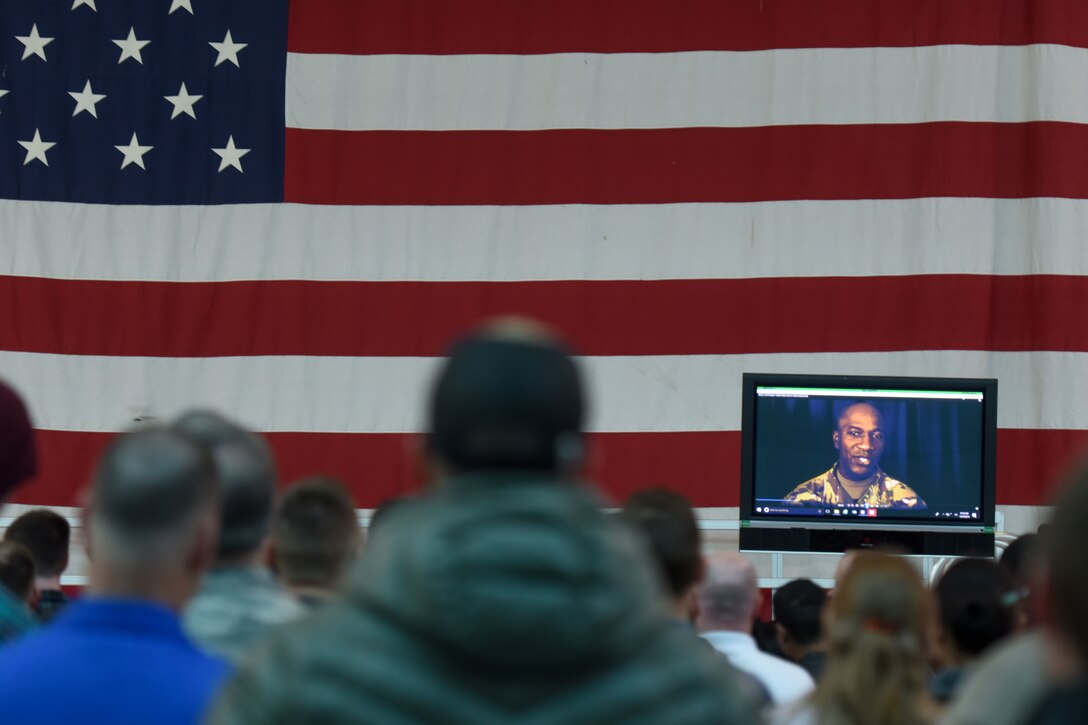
pixel 831 463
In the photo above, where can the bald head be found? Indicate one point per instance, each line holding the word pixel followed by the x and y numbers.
pixel 859 438
pixel 151 489
pixel 729 596
pixel 247 478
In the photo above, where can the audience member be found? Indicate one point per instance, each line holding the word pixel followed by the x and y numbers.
pixel 18 462
pixel 315 536
pixel 798 616
pixel 876 671
pixel 119 655
pixel 1023 560
pixel 667 522
pixel 387 510
pixel 1065 551
pixel 503 595
pixel 728 604
pixel 976 608
pixel 239 599
pixel 47 535
pixel 17 573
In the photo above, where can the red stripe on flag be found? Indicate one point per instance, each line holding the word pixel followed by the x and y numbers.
pixel 704 466
pixel 652 26
pixel 667 317
pixel 889 161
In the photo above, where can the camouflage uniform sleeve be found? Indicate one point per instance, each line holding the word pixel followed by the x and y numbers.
pixel 811 491
pixel 903 496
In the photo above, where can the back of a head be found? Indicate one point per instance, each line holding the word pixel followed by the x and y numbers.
pixel 247 479
pixel 1022 558
pixel 152 489
pixel 16 570
pixel 47 535
pixel 730 593
pixel 18 454
pixel 1066 554
pixel 876 668
pixel 973 601
pixel 668 524
pixel 798 607
pixel 315 532
pixel 508 397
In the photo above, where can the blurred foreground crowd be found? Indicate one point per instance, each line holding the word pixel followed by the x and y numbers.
pixel 506 592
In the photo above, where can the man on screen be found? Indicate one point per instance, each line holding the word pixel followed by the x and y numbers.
pixel 856 477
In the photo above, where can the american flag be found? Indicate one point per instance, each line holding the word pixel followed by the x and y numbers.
pixel 287 212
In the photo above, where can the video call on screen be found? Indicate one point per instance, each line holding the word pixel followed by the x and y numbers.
pixel 931 441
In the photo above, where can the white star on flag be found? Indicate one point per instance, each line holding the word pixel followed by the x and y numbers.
pixel 34 44
pixel 231 155
pixel 130 47
pixel 183 103
pixel 182 4
pixel 36 148
pixel 3 92
pixel 134 152
pixel 88 3
pixel 86 100
pixel 228 50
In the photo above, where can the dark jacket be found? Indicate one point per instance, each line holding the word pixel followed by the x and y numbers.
pixel 495 600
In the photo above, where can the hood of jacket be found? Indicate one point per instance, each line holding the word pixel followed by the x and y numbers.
pixel 511 571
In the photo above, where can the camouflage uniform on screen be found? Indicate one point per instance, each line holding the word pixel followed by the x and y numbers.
pixel 884 492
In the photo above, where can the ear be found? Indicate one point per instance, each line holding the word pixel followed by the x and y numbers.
pixel 34 599
pixel 202 555
pixel 835 439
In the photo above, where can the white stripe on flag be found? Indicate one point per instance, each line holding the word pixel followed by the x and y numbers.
pixel 387 394
pixel 592 242
pixel 680 90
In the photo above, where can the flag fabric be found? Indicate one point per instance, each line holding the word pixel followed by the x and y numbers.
pixel 288 212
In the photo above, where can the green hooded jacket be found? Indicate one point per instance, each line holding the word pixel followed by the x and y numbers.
pixel 497 599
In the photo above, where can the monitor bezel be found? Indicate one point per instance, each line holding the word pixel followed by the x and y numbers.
pixel 988 388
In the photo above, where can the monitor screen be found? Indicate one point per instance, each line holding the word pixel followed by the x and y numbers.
pixel 858 452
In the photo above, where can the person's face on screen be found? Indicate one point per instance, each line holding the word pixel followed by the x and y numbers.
pixel 860 441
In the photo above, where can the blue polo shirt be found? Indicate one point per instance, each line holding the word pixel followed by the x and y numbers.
pixel 108 661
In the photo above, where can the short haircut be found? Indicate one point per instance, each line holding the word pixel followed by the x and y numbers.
pixel 729 595
pixel 47 535
pixel 316 532
pixel 151 490
pixel 16 569
pixel 508 397
pixel 798 607
pixel 668 523
pixel 1021 557
pixel 973 600
pixel 247 479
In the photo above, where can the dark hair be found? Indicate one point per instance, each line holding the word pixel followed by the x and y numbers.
pixel 16 569
pixel 798 606
pixel 315 531
pixel 512 403
pixel 247 479
pixel 1021 556
pixel 973 600
pixel 46 534
pixel 668 523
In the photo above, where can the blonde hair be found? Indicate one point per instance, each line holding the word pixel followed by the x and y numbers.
pixel 876 664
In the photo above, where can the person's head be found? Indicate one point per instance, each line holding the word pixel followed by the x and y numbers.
pixel 46 534
pixel 386 511
pixel 667 522
pixel 246 472
pixel 1022 559
pixel 798 615
pixel 152 517
pixel 18 455
pixel 876 629
pixel 17 571
pixel 508 397
pixel 1066 554
pixel 729 596
pixel 976 608
pixel 315 535
pixel 859 439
